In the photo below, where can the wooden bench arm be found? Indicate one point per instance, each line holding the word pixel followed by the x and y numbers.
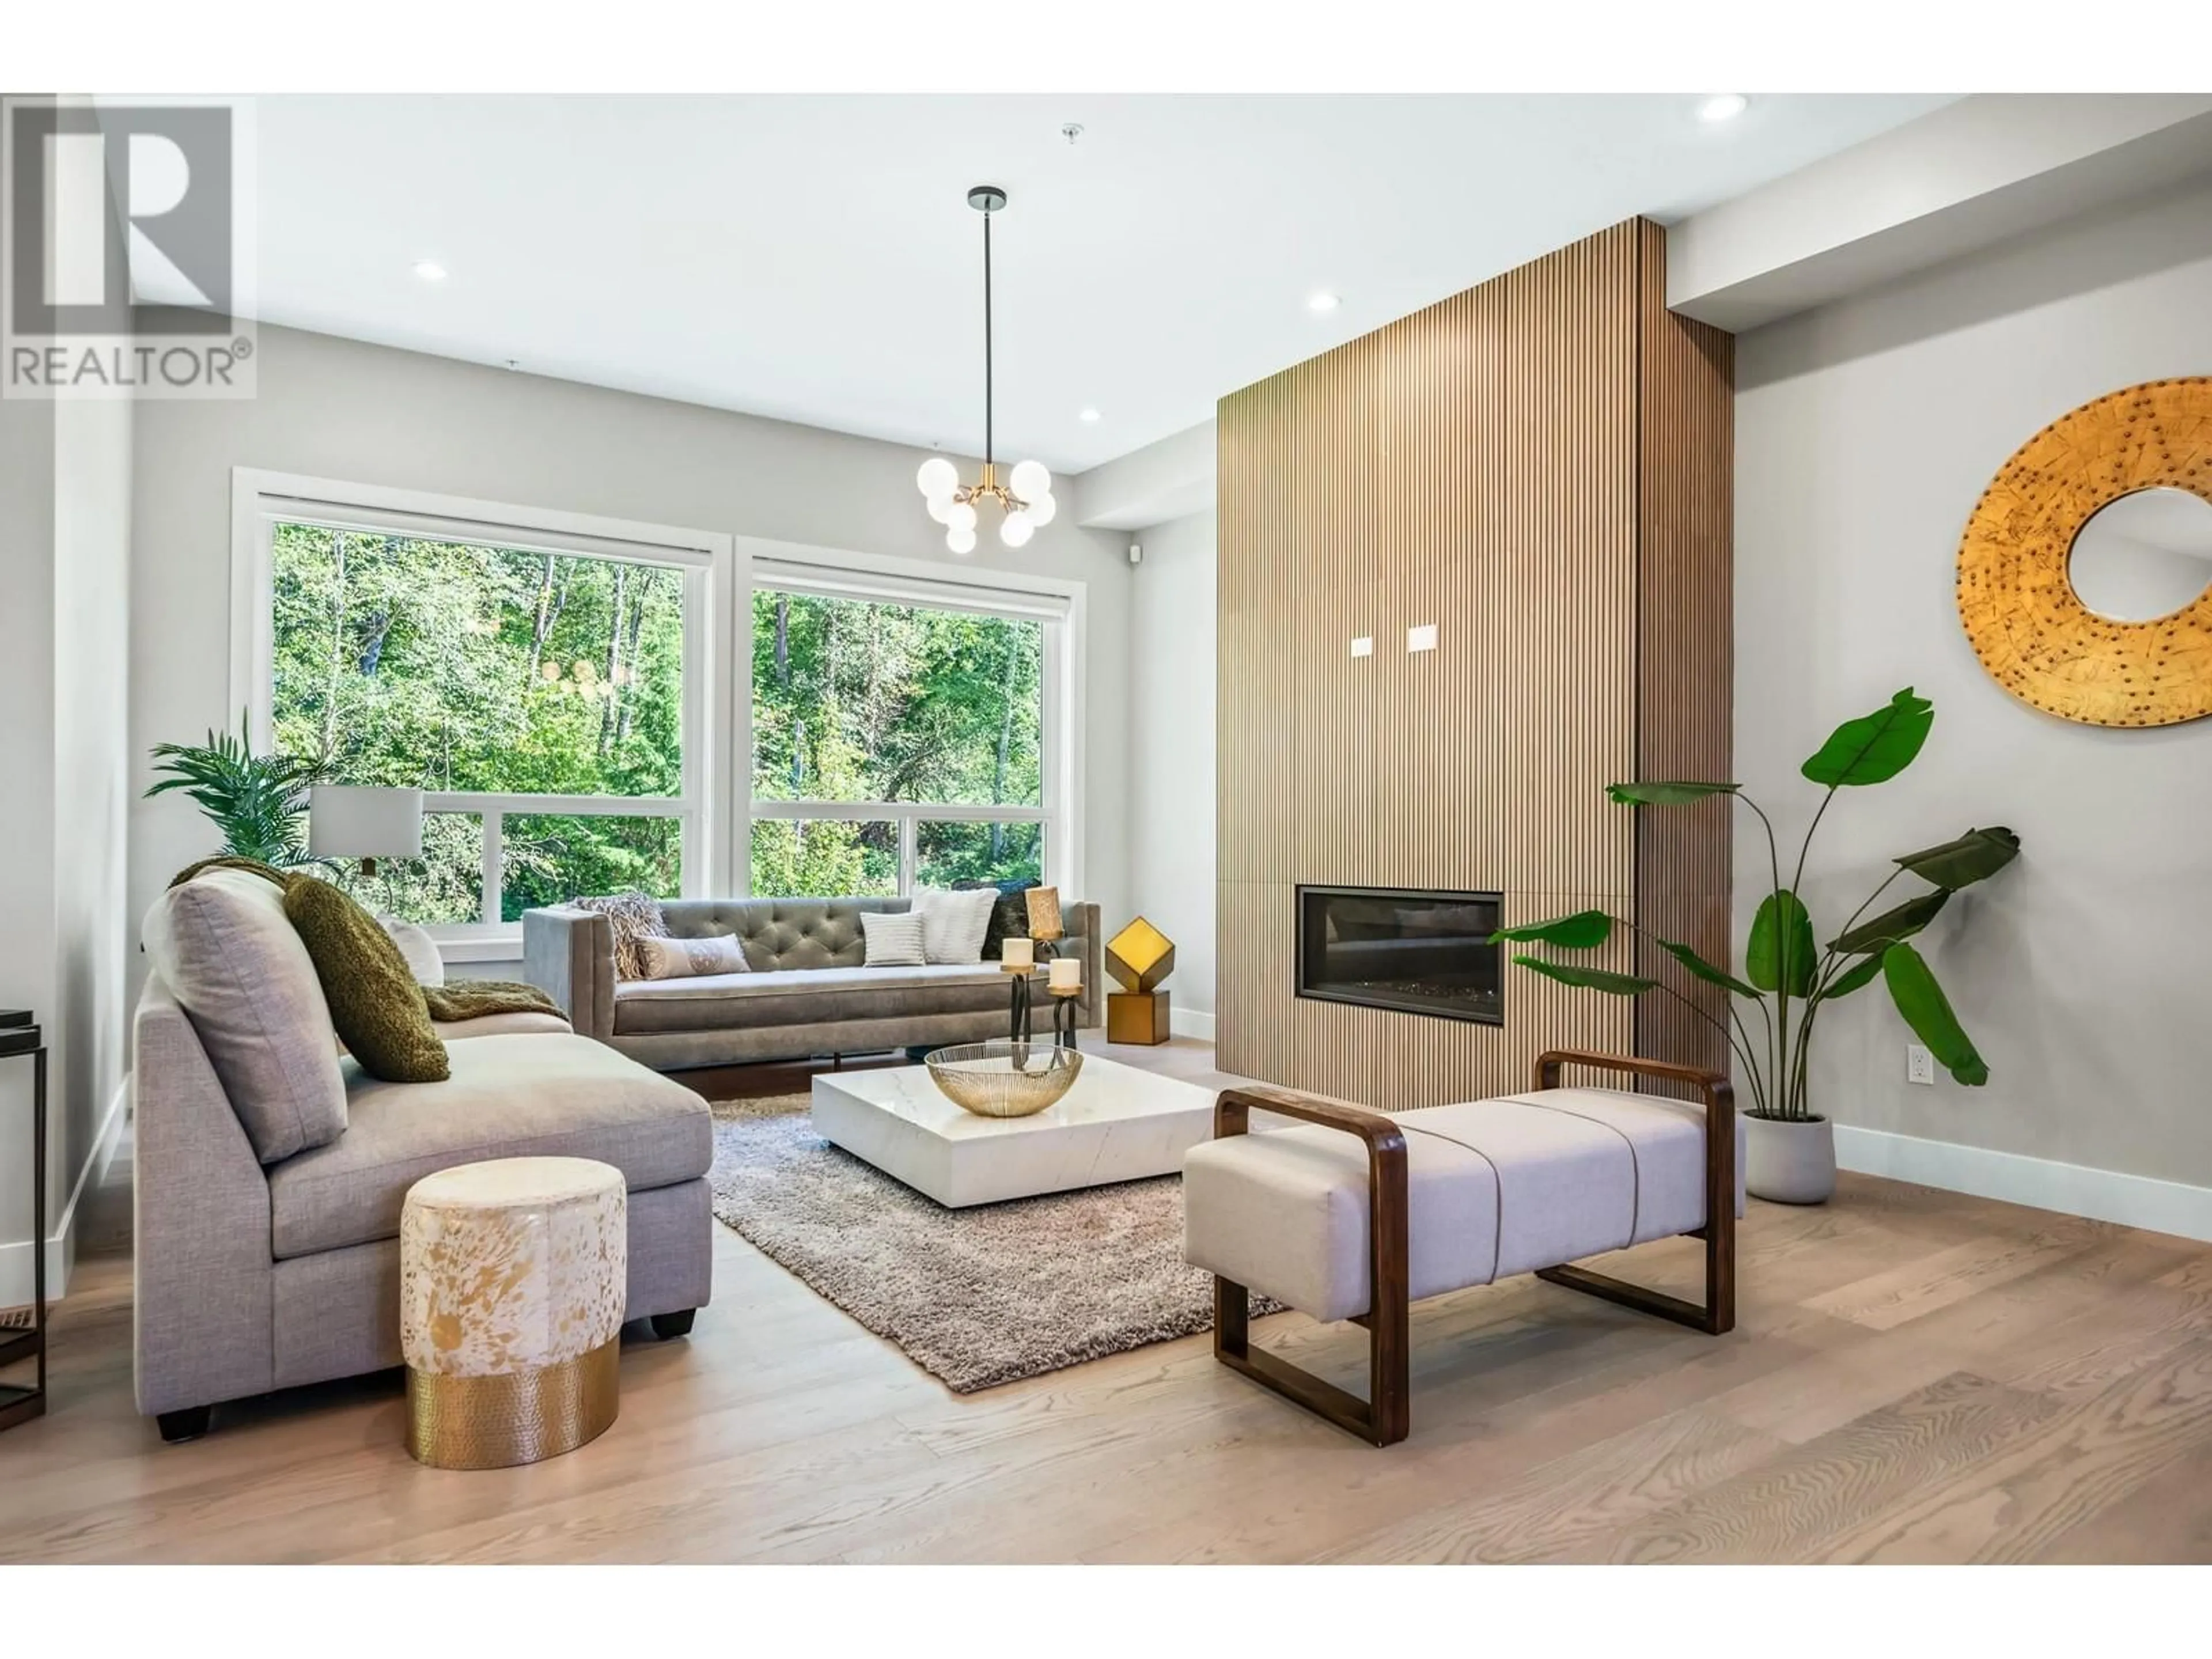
pixel 1385 1414
pixel 1232 1115
pixel 1716 1089
pixel 1718 1315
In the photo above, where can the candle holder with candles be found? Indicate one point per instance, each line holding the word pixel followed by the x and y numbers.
pixel 1018 958
pixel 1064 982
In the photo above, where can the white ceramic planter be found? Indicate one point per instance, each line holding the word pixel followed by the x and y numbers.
pixel 1790 1162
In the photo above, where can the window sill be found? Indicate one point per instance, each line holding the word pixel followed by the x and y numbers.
pixel 493 947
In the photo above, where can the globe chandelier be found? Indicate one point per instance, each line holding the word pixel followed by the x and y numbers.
pixel 1025 499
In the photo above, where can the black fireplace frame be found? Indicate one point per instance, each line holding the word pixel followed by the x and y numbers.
pixel 1300 988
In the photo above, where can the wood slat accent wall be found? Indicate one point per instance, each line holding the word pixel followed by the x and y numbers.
pixel 1685 652
pixel 1495 464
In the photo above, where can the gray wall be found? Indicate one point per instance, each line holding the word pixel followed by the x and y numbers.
pixel 65 627
pixel 1866 430
pixel 367 414
pixel 1172 779
pixel 27 793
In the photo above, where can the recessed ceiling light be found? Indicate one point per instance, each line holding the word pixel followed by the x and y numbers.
pixel 1088 414
pixel 430 270
pixel 1322 302
pixel 1723 107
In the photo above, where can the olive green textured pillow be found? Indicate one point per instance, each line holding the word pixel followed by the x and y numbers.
pixel 376 1004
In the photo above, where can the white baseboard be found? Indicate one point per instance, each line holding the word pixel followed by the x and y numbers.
pixel 17 1282
pixel 2160 1206
pixel 1190 1023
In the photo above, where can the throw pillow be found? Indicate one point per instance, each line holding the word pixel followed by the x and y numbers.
pixel 221 942
pixel 634 916
pixel 954 923
pixel 1009 917
pixel 376 1004
pixel 893 938
pixel 688 958
pixel 424 960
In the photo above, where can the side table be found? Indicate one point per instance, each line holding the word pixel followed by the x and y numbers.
pixel 20 1036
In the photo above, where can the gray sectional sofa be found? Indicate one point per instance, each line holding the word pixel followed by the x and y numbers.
pixel 268 1245
pixel 810 992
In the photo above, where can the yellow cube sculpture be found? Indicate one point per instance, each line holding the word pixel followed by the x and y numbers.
pixel 1139 957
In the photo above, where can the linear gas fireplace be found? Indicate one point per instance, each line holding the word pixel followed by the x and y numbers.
pixel 1411 949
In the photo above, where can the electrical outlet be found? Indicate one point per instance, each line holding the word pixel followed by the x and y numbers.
pixel 1364 645
pixel 1919 1065
pixel 1422 637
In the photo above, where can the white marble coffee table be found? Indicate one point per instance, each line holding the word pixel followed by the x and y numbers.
pixel 1118 1123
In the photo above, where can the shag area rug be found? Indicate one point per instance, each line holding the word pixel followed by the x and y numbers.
pixel 977 1297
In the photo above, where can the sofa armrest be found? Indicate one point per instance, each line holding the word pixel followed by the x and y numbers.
pixel 205 1281
pixel 569 954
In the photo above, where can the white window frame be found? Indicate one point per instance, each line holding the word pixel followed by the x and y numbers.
pixel 1061 603
pixel 260 500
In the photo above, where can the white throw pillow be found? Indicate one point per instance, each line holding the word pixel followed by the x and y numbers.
pixel 894 938
pixel 424 960
pixel 953 924
pixel 690 958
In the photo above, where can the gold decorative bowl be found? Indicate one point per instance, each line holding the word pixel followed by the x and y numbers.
pixel 1003 1078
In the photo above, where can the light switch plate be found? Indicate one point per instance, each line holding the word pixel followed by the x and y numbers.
pixel 1421 638
pixel 1364 645
pixel 1919 1065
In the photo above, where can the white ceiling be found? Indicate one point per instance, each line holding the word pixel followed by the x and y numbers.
pixel 813 258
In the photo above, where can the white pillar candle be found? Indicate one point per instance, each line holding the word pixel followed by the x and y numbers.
pixel 1018 953
pixel 1065 974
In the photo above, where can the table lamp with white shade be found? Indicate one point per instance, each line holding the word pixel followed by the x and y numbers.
pixel 345 822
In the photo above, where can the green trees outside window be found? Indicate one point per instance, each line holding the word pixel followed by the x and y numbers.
pixel 465 669
pixel 860 700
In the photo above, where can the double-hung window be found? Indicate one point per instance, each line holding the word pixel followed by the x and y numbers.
pixel 542 678
pixel 907 731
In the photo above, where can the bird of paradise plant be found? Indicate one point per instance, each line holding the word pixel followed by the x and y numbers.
pixel 1787 979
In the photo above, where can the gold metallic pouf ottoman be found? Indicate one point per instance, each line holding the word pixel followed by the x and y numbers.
pixel 513 1276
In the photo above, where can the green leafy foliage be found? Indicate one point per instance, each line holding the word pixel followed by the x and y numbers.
pixel 260 802
pixel 1666 794
pixel 1858 976
pixel 1874 748
pixel 1704 969
pixel 1975 856
pixel 1891 925
pixel 1780 954
pixel 1590 979
pixel 1785 972
pixel 1585 930
pixel 856 701
pixel 1921 1000
pixel 460 668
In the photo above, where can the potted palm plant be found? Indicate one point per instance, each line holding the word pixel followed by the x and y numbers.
pixel 1787 978
pixel 260 802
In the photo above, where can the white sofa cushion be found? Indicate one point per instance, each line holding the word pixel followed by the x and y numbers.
pixel 222 944
pixel 424 960
pixel 1494 1188
pixel 894 940
pixel 955 923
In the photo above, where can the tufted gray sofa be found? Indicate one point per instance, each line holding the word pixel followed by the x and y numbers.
pixel 810 992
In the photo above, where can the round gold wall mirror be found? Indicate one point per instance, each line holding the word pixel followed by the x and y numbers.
pixel 2144 557
pixel 2085 575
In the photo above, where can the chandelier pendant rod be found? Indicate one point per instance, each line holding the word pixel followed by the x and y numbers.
pixel 1025 499
pixel 988 457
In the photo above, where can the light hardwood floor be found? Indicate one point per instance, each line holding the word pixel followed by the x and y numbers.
pixel 1916 1376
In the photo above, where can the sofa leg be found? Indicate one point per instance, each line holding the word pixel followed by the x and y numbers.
pixel 189 1424
pixel 670 1326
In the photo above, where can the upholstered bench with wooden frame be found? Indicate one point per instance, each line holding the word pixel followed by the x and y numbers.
pixel 1362 1213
